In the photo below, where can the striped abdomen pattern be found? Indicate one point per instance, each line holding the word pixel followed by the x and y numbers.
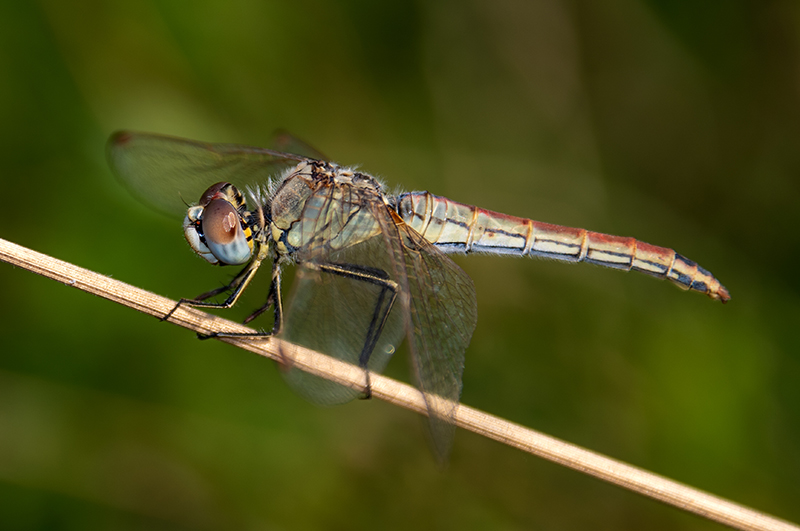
pixel 459 228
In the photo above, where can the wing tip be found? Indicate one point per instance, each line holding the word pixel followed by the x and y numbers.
pixel 120 138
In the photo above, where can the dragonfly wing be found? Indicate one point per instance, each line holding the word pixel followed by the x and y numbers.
pixel 166 172
pixel 285 141
pixel 353 230
pixel 334 312
pixel 442 308
pixel 435 302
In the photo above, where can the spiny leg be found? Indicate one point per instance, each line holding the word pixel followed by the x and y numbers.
pixel 236 286
pixel 216 291
pixel 273 299
pixel 383 307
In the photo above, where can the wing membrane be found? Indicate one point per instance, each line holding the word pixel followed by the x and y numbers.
pixel 163 172
pixel 442 308
pixel 285 141
pixel 333 314
pixel 435 304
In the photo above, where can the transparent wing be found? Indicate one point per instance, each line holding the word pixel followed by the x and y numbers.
pixel 166 172
pixel 442 308
pixel 333 314
pixel 285 141
pixel 344 286
pixel 435 302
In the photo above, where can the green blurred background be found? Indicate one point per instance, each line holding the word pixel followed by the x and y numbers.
pixel 674 123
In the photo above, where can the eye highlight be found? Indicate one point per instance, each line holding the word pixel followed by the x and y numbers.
pixel 220 222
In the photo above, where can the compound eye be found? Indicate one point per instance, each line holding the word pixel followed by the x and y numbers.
pixel 223 232
pixel 220 221
pixel 209 194
pixel 192 231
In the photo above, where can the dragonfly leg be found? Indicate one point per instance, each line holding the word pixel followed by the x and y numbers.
pixel 273 300
pixel 236 286
pixel 383 306
pixel 217 291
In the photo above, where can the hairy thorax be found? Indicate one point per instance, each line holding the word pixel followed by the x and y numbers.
pixel 320 205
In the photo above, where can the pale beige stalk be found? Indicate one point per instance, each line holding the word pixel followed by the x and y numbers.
pixel 527 440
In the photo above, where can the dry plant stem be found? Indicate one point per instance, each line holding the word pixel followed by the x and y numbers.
pixel 641 481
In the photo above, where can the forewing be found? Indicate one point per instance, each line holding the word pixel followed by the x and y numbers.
pixel 285 141
pixel 332 313
pixel 166 172
pixel 443 313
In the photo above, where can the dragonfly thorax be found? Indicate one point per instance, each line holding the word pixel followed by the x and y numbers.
pixel 220 228
pixel 320 204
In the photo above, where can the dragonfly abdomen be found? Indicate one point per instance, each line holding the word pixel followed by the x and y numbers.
pixel 457 227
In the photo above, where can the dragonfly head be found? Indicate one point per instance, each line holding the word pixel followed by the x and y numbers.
pixel 216 229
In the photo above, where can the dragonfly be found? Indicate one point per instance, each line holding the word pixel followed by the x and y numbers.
pixel 372 268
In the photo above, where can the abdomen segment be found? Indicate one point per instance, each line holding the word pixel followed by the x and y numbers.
pixel 459 228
